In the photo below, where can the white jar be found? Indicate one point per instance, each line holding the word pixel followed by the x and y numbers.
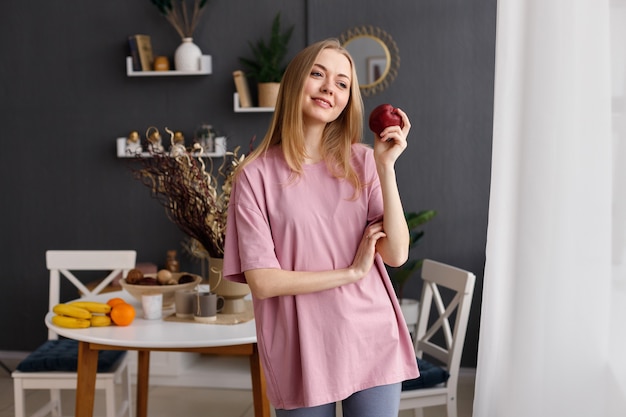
pixel 187 56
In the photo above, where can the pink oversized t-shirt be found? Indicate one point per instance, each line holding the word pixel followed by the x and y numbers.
pixel 321 347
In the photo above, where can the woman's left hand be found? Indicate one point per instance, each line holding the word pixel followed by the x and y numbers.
pixel 392 141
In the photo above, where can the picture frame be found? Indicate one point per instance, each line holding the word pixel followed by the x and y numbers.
pixel 376 66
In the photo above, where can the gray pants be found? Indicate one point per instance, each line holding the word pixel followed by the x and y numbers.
pixel 382 401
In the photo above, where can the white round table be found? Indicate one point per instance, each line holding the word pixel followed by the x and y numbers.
pixel 145 336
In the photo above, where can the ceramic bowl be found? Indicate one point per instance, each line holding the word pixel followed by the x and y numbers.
pixel 167 290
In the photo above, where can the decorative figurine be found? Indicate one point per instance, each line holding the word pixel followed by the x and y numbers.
pixel 154 140
pixel 133 144
pixel 177 141
pixel 171 262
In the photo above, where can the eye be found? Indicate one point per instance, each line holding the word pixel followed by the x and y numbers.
pixel 316 74
pixel 342 84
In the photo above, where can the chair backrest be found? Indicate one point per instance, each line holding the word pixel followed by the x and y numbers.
pixel 62 262
pixel 441 330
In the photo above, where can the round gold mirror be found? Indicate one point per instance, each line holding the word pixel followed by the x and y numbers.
pixel 376 57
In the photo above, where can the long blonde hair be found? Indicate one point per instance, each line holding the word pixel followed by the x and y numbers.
pixel 287 128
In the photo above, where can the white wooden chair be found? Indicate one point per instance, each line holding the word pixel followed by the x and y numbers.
pixel 61 263
pixel 441 332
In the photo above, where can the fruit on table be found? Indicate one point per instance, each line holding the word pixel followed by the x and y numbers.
pixel 71 311
pixel 100 321
pixel 122 314
pixel 83 314
pixel 383 116
pixel 164 277
pixel 134 276
pixel 70 322
pixel 185 279
pixel 93 306
pixel 115 300
pixel 147 281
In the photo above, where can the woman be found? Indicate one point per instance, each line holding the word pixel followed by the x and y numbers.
pixel 306 231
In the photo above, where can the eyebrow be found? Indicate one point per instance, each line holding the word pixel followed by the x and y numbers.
pixel 326 69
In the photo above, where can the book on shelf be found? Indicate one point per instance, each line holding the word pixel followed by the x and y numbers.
pixel 241 84
pixel 144 49
pixel 134 53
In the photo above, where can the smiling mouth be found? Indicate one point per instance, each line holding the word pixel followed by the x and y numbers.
pixel 322 101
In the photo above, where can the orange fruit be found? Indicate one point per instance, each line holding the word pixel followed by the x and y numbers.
pixel 123 314
pixel 114 301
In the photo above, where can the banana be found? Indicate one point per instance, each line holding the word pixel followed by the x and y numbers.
pixel 100 321
pixel 71 322
pixel 92 306
pixel 71 311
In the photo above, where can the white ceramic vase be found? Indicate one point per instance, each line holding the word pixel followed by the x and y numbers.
pixel 187 56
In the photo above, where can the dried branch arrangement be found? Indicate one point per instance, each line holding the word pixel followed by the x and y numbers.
pixel 195 199
pixel 183 15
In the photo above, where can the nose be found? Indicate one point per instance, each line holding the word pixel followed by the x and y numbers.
pixel 327 88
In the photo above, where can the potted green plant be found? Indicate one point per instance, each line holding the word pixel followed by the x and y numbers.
pixel 400 276
pixel 267 64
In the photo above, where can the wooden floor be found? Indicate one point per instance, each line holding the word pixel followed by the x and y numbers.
pixel 167 401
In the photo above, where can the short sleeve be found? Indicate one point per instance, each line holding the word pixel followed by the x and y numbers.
pixel 248 241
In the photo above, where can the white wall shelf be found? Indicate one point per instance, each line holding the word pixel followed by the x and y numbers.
pixel 121 151
pixel 238 109
pixel 206 68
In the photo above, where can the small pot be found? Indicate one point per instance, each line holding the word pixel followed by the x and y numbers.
pixel 268 94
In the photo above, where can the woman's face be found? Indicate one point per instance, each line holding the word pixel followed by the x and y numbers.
pixel 327 88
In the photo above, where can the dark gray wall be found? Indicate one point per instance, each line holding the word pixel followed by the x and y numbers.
pixel 65 98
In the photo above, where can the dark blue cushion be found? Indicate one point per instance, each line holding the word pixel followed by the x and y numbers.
pixel 62 355
pixel 430 375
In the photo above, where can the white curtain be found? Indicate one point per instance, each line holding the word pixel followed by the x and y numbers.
pixel 553 320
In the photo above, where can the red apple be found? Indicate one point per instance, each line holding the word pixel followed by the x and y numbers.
pixel 383 116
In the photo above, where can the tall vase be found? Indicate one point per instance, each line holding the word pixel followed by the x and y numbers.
pixel 233 292
pixel 187 56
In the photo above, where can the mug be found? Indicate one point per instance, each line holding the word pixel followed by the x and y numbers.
pixel 152 305
pixel 206 305
pixel 183 303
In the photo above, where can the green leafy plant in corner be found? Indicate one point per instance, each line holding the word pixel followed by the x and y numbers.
pixel 267 64
pixel 399 276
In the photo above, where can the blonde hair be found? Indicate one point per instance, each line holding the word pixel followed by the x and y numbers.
pixel 287 128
